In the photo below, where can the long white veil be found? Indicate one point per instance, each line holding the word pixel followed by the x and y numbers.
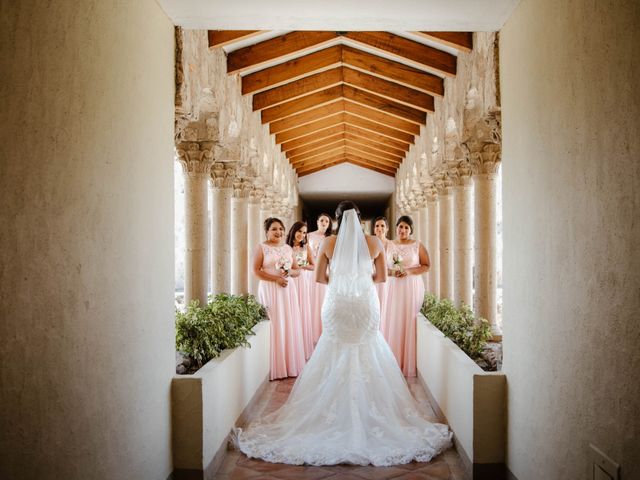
pixel 351 267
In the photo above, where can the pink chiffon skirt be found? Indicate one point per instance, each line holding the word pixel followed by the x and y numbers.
pixel 287 350
pixel 304 283
pixel 404 299
pixel 382 290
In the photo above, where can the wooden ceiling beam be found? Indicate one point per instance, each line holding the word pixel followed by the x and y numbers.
pixel 303 130
pixel 382 146
pixel 309 147
pixel 391 70
pixel 275 48
pixel 312 137
pixel 462 41
pixel 376 137
pixel 355 78
pixel 370 152
pixel 309 171
pixel 363 161
pixel 292 70
pixel 318 151
pixel 301 104
pixel 383 118
pixel 314 162
pixel 354 160
pixel 391 90
pixel 306 117
pixel 319 156
pixel 222 38
pixel 378 128
pixel 418 53
pixel 297 88
pixel 372 162
pixel 387 106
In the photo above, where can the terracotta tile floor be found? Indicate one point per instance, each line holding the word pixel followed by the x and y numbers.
pixel 237 466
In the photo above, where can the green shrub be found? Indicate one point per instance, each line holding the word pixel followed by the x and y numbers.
pixel 458 324
pixel 202 333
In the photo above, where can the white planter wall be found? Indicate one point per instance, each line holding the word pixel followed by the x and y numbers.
pixel 206 405
pixel 472 400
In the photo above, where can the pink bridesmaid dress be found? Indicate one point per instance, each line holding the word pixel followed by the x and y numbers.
pixel 287 351
pixel 404 299
pixel 304 282
pixel 317 289
pixel 383 289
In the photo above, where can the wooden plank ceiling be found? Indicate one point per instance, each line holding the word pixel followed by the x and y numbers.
pixel 328 102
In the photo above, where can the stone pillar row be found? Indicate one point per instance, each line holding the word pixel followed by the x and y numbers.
pixel 222 245
pixel 458 224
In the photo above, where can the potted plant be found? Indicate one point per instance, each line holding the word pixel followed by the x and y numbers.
pixel 226 350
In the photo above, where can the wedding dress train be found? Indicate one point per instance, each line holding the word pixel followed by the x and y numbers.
pixel 351 403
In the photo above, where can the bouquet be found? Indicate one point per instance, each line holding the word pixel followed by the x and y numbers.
pixel 284 265
pixel 397 263
pixel 301 259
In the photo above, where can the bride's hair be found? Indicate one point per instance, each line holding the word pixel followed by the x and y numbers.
pixel 343 206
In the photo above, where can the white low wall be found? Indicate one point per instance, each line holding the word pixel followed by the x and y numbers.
pixel 472 400
pixel 206 405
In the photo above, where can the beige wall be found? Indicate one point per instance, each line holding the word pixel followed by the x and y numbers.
pixel 86 249
pixel 569 75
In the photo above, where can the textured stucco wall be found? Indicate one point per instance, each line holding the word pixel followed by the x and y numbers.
pixel 86 249
pixel 571 179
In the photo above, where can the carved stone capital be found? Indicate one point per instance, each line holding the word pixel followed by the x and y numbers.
pixel 196 158
pixel 223 175
pixel 488 160
pixel 460 173
pixel 256 194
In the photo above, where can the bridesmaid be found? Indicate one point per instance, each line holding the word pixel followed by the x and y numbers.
pixel 297 240
pixel 407 259
pixel 380 229
pixel 318 289
pixel 274 265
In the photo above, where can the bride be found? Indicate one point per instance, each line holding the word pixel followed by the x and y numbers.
pixel 351 403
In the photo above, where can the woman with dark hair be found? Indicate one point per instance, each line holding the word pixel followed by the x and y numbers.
pixel 274 265
pixel 351 403
pixel 380 230
pixel 297 240
pixel 408 260
pixel 317 289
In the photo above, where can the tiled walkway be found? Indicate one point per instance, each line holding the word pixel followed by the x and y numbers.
pixel 237 466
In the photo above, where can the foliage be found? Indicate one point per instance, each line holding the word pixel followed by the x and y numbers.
pixel 458 324
pixel 202 333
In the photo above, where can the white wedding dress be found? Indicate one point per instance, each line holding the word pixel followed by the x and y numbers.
pixel 351 403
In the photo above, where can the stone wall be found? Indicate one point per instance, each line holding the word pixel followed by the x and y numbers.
pixel 468 97
pixel 569 73
pixel 86 247
pixel 207 94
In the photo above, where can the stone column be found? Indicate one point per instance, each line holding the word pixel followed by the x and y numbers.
pixel 423 218
pixel 196 159
pixel 433 241
pixel 221 192
pixel 254 231
pixel 239 239
pixel 446 237
pixel 485 181
pixel 463 239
